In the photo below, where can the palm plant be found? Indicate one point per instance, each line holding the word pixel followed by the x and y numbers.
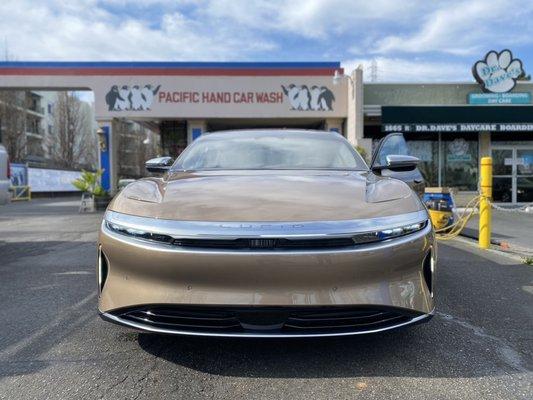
pixel 89 182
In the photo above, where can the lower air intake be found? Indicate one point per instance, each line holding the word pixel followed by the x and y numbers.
pixel 266 320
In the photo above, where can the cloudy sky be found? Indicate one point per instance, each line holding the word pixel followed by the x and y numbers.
pixel 419 40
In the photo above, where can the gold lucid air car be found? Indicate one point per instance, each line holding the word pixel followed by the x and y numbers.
pixel 269 233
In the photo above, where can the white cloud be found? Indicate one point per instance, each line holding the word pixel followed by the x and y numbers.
pixel 464 27
pixel 312 18
pixel 411 70
pixel 82 30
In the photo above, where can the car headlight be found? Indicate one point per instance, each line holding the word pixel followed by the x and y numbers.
pixel 138 233
pixel 385 234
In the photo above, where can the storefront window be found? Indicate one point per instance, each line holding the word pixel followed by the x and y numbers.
pixel 524 180
pixel 446 159
pixel 428 152
pixel 173 137
pixel 460 163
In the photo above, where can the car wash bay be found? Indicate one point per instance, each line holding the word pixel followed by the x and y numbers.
pixel 183 100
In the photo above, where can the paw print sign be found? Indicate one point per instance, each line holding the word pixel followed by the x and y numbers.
pixel 497 72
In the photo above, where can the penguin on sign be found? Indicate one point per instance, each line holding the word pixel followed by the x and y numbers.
pixel 314 103
pixel 326 99
pixel 291 92
pixel 303 98
pixel 136 98
pixel 111 98
pixel 123 102
pixel 147 94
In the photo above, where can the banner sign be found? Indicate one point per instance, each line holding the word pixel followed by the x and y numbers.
pixel 219 97
pixel 463 127
pixel 19 174
pixel 52 180
pixel 499 98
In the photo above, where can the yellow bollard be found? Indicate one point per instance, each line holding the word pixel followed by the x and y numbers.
pixel 484 205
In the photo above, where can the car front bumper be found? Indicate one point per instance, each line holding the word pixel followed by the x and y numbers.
pixel 366 288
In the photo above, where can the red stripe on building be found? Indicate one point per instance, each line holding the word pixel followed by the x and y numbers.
pixel 168 72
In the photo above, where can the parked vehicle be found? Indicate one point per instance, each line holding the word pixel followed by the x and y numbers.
pixel 122 183
pixel 5 195
pixel 268 233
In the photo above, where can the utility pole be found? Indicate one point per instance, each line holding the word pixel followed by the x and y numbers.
pixel 374 70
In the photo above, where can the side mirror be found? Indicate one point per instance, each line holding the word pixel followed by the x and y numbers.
pixel 159 164
pixel 398 163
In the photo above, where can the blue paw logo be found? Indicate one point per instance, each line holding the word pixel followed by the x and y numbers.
pixel 498 72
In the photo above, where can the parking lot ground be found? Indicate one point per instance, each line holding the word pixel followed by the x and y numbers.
pixel 513 228
pixel 54 346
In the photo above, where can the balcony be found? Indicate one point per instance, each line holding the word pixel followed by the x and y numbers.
pixel 35 132
pixel 37 109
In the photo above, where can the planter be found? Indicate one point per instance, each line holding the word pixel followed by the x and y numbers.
pixel 101 202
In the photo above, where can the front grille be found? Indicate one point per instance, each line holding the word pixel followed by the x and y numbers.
pixel 267 320
pixel 265 244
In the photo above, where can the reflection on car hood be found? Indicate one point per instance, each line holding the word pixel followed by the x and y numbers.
pixel 307 195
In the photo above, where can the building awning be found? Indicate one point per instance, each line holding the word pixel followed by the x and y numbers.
pixel 457 119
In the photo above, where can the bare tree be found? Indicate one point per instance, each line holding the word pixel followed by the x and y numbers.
pixel 73 142
pixel 13 106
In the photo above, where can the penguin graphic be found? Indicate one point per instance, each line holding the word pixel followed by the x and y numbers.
pixel 326 99
pixel 136 98
pixel 314 103
pixel 147 94
pixel 303 98
pixel 123 102
pixel 292 92
pixel 111 98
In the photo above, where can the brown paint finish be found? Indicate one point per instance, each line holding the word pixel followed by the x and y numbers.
pixel 386 274
pixel 372 274
pixel 266 196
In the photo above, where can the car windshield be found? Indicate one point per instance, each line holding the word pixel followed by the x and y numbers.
pixel 278 150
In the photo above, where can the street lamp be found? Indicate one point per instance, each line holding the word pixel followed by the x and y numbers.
pixel 102 140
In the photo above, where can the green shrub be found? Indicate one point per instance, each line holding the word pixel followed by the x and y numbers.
pixel 89 182
pixel 363 153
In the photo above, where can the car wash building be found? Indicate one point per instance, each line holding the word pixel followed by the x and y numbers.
pixel 450 126
pixel 182 100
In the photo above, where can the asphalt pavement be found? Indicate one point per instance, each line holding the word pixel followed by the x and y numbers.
pixel 511 227
pixel 54 346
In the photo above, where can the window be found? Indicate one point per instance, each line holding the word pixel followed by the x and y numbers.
pixel 460 163
pixel 446 159
pixel 270 150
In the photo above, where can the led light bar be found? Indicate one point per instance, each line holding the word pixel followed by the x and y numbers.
pixel 138 233
pixel 360 238
pixel 377 236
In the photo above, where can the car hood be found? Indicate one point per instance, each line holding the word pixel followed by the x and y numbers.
pixel 266 196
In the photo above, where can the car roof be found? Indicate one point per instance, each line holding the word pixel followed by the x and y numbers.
pixel 271 132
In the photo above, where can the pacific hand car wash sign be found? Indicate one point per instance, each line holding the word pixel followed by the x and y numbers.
pixel 497 74
pixel 222 97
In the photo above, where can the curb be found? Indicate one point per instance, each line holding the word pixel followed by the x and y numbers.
pixel 502 246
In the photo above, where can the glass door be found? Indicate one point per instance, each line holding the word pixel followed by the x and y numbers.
pixel 502 175
pixel 524 175
pixel 512 174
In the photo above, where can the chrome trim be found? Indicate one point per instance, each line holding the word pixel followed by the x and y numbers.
pixel 153 245
pixel 236 230
pixel 147 328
